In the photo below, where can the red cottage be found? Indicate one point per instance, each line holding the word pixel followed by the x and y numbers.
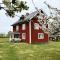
pixel 31 28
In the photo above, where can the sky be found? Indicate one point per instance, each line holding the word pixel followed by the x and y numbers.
pixel 6 22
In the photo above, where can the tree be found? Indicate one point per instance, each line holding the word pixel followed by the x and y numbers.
pixel 13 6
pixel 55 25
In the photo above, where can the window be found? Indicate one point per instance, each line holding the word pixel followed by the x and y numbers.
pixel 36 26
pixel 16 35
pixel 40 36
pixel 23 26
pixel 23 35
pixel 17 28
pixel 40 17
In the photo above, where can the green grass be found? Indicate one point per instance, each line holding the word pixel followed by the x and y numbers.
pixel 24 51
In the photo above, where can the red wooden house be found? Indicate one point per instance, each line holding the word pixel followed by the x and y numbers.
pixel 31 28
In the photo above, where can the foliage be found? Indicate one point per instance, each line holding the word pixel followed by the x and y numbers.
pixel 4 35
pixel 14 6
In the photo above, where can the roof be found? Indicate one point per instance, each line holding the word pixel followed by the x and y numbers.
pixel 19 22
pixel 11 33
pixel 28 18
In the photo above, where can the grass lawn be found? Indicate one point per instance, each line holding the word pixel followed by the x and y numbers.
pixel 24 51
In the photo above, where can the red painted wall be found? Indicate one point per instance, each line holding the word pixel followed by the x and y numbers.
pixel 14 28
pixel 24 31
pixel 35 33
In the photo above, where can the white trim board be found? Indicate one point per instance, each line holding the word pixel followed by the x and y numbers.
pixel 30 32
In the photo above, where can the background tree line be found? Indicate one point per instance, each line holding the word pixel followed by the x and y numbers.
pixel 3 35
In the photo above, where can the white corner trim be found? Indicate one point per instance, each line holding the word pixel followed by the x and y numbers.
pixel 30 32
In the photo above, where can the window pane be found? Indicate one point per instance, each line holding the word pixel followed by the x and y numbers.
pixel 16 35
pixel 17 28
pixel 36 26
pixel 40 36
pixel 23 26
pixel 23 35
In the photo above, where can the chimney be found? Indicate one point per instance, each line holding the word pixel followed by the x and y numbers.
pixel 42 11
pixel 22 17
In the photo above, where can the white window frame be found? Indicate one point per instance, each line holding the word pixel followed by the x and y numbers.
pixel 17 28
pixel 23 26
pixel 23 37
pixel 40 17
pixel 42 37
pixel 36 26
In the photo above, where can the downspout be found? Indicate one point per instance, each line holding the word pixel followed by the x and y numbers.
pixel 30 32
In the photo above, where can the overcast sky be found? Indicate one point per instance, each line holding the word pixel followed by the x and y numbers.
pixel 6 22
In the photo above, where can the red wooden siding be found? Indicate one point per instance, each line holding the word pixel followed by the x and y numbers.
pixel 24 31
pixel 14 28
pixel 34 33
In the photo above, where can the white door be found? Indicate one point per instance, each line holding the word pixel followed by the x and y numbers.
pixel 23 35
